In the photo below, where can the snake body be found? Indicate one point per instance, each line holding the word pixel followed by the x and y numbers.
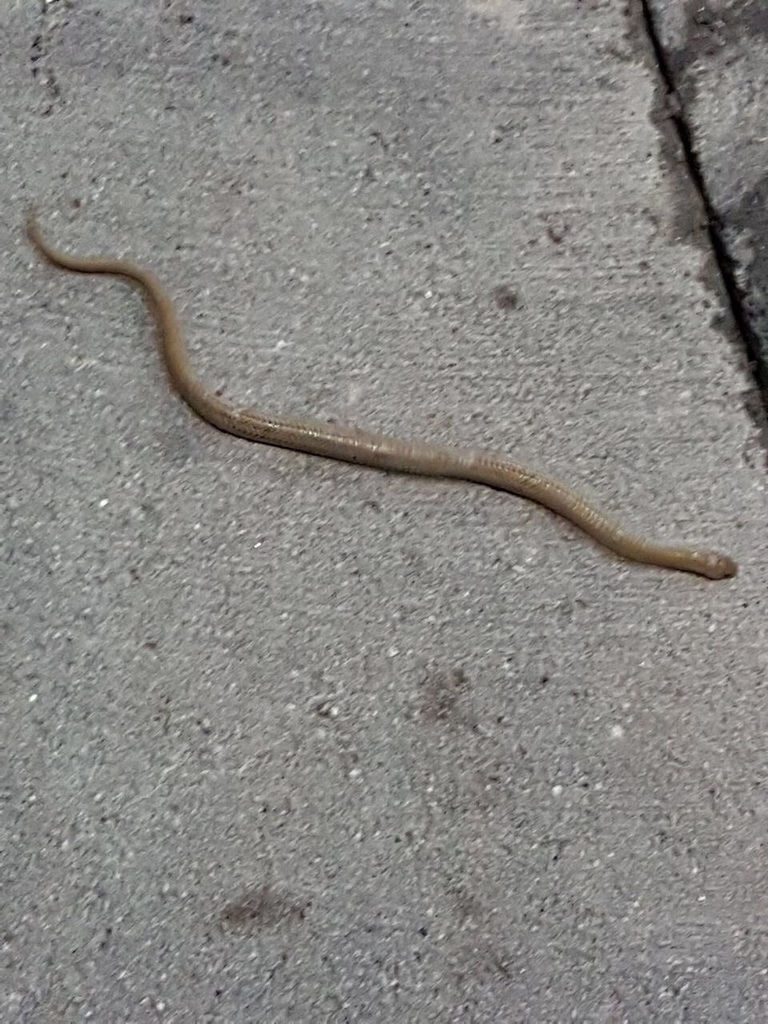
pixel 351 444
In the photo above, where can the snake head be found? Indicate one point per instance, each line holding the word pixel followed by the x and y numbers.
pixel 716 566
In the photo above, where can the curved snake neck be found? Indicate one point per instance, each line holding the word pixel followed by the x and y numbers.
pixel 351 444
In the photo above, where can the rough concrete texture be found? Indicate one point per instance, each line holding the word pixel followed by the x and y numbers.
pixel 716 55
pixel 285 740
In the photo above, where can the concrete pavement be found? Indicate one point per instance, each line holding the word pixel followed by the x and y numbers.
pixel 286 740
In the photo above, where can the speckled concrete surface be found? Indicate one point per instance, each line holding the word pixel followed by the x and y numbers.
pixel 285 740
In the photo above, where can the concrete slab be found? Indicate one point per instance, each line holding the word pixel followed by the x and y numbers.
pixel 715 57
pixel 286 740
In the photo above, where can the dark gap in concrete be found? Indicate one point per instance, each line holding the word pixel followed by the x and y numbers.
pixel 736 294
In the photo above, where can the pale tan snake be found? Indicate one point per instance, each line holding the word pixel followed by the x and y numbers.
pixel 350 444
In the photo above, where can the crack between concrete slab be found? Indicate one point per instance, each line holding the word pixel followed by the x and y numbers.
pixel 39 56
pixel 726 264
